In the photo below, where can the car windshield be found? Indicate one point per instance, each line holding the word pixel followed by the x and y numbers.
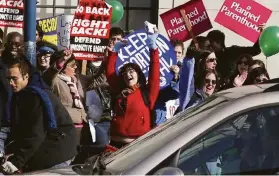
pixel 139 149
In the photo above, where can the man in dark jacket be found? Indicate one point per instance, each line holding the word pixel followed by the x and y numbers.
pixel 42 131
pixel 12 47
pixel 227 56
pixel 5 91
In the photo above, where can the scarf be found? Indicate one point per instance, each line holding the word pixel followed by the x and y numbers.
pixel 73 90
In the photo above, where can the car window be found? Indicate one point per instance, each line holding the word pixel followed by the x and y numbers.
pixel 246 143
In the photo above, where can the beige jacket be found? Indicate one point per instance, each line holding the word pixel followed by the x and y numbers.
pixel 62 90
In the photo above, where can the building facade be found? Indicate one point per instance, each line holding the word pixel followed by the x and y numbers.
pixel 138 11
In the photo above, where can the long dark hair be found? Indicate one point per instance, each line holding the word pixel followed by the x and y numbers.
pixel 193 52
pixel 256 73
pixel 236 72
pixel 202 62
pixel 202 75
pixel 141 77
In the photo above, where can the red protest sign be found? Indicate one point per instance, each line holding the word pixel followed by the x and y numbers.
pixel 243 17
pixel 196 14
pixel 90 30
pixel 11 13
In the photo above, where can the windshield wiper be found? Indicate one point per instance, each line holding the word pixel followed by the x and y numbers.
pixel 93 166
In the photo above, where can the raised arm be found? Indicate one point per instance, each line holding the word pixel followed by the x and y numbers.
pixel 154 68
pixel 251 50
pixel 110 70
pixel 50 74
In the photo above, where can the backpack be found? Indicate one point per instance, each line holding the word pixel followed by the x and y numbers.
pixel 49 116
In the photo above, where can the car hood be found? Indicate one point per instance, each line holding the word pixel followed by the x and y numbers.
pixel 61 171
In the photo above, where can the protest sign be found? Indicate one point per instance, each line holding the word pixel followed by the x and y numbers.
pixel 171 107
pixel 49 27
pixel 63 31
pixel 197 16
pixel 138 52
pixel 90 30
pixel 11 13
pixel 243 17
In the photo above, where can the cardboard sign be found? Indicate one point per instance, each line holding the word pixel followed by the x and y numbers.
pixel 197 16
pixel 63 31
pixel 138 52
pixel 49 27
pixel 243 17
pixel 171 107
pixel 11 13
pixel 90 29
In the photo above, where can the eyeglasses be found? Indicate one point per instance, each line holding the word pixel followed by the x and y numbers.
pixel 211 60
pixel 243 62
pixel 208 81
pixel 130 71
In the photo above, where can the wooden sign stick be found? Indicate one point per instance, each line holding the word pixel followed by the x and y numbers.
pixel 83 67
pixel 189 27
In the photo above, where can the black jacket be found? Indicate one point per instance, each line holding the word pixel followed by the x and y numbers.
pixel 4 93
pixel 226 63
pixel 35 147
pixel 102 89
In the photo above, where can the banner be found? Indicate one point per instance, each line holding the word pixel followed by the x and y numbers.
pixel 90 30
pixel 63 31
pixel 138 52
pixel 11 13
pixel 197 16
pixel 243 17
pixel 49 27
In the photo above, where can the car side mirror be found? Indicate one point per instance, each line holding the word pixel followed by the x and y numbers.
pixel 169 171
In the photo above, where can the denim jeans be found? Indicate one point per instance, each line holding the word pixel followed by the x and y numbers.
pixel 102 132
pixel 3 136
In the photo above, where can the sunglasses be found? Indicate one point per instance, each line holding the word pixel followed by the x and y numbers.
pixel 208 81
pixel 243 62
pixel 211 60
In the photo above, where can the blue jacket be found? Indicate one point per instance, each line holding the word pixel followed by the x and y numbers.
pixel 196 98
pixel 187 84
pixel 171 92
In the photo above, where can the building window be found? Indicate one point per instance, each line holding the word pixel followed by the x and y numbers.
pixel 136 11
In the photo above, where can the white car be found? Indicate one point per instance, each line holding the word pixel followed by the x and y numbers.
pixel 235 131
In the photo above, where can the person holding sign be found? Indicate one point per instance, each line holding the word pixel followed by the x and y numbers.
pixel 227 56
pixel 135 99
pixel 71 87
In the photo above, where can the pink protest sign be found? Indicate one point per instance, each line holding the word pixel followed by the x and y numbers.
pixel 243 17
pixel 196 14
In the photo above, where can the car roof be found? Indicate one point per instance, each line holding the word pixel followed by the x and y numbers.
pixel 239 92
pixel 150 142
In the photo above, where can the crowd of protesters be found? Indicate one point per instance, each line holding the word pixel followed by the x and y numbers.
pixel 46 109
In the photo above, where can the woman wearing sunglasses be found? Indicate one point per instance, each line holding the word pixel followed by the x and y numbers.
pixel 241 73
pixel 206 86
pixel 208 61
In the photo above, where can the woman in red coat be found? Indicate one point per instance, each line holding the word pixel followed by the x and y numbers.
pixel 131 110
